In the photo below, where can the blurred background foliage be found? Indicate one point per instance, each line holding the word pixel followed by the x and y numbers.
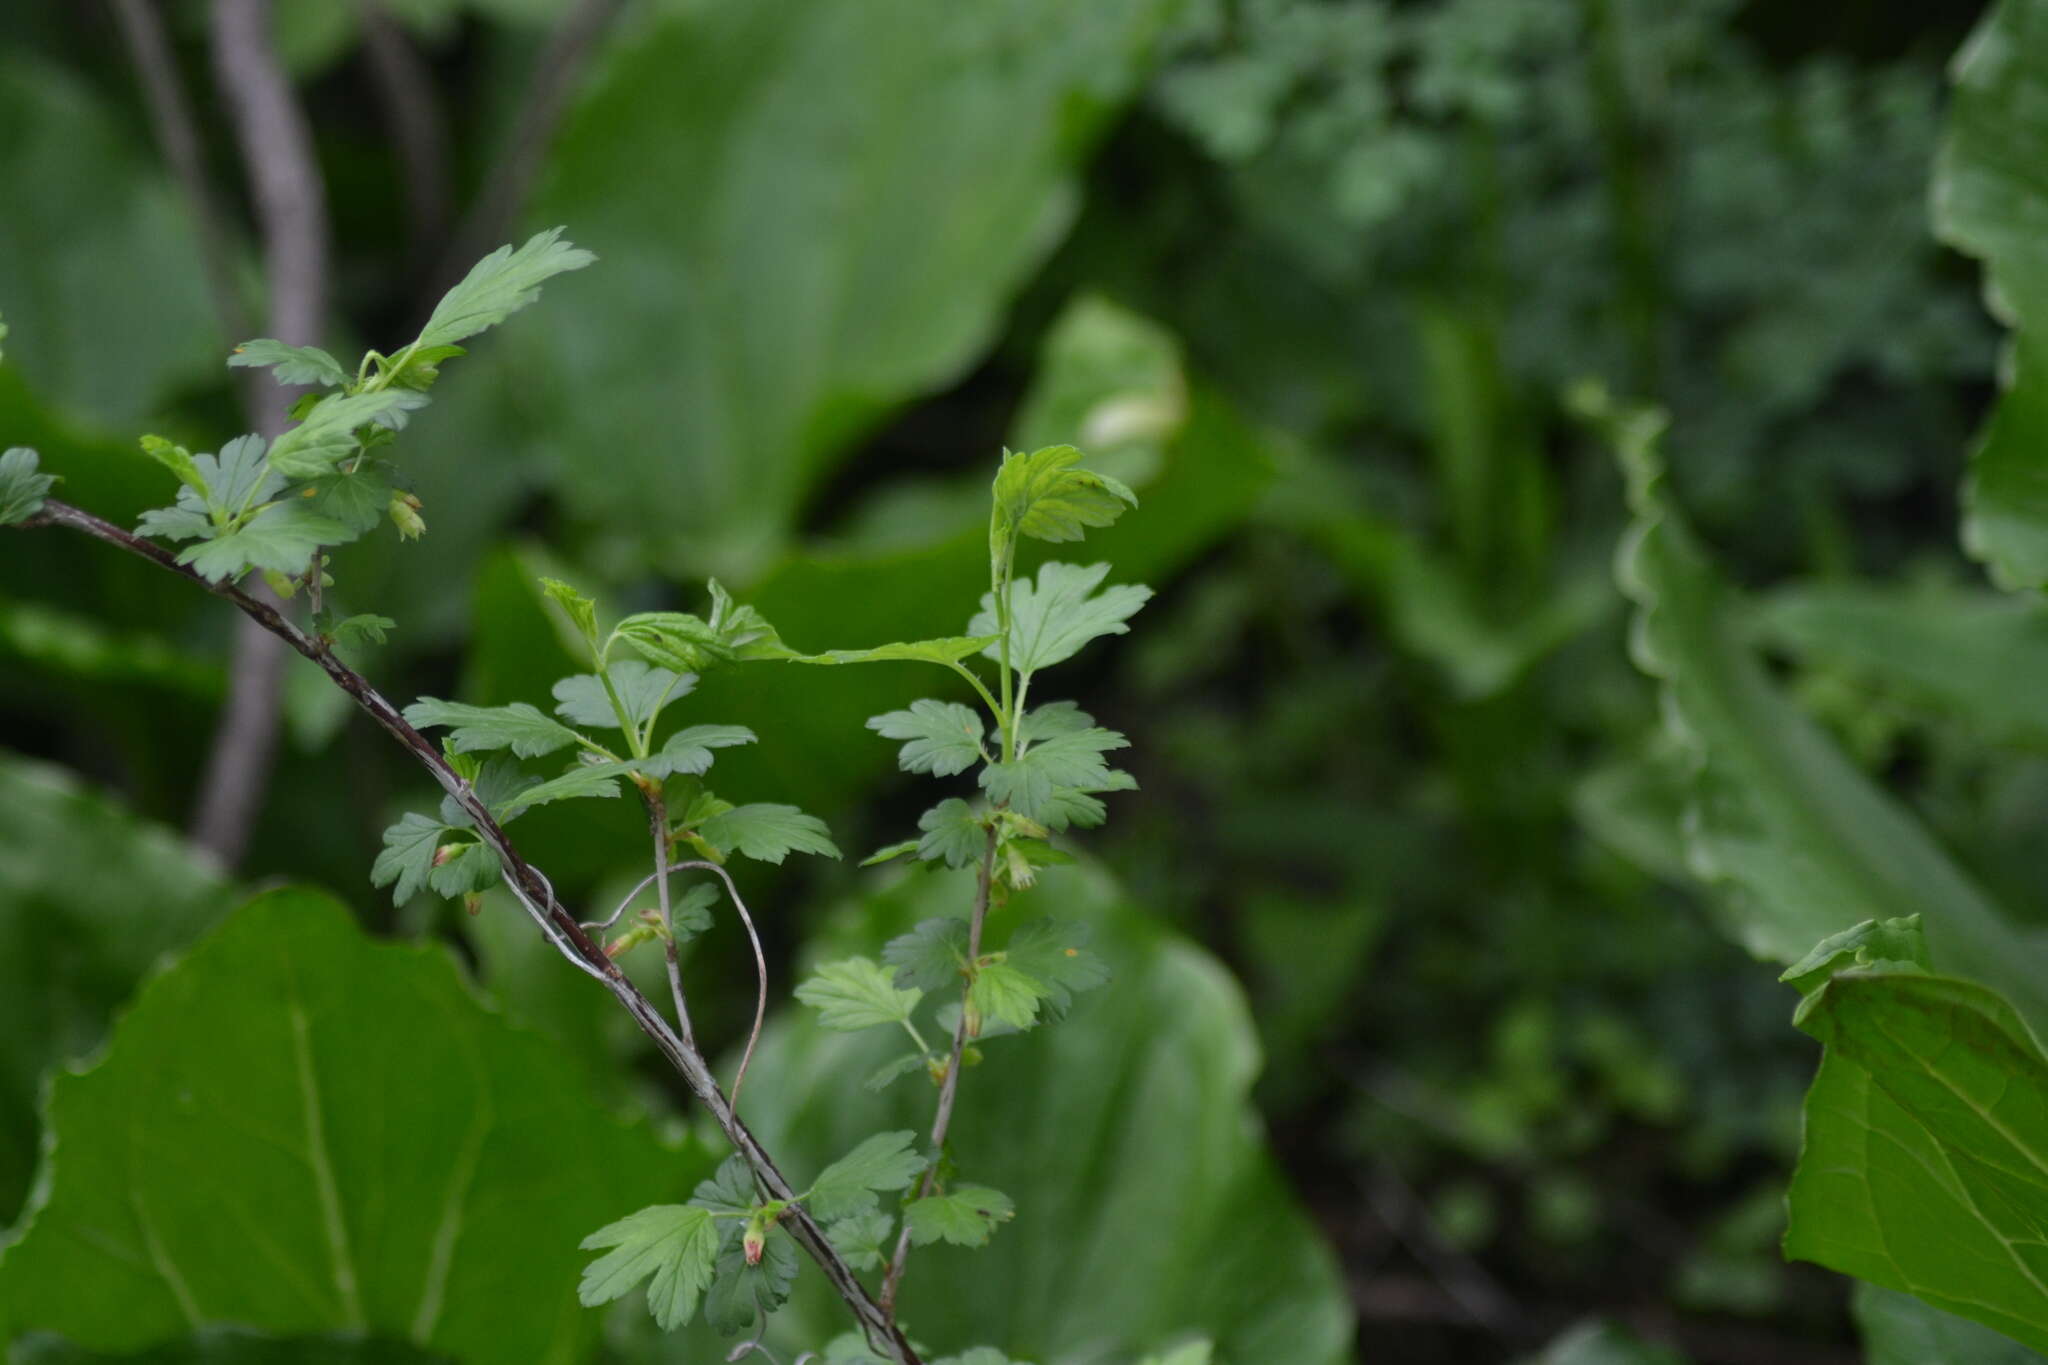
pixel 1316 277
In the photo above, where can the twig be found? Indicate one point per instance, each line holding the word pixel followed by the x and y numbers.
pixel 538 896
pixel 170 113
pixel 548 91
pixel 760 970
pixel 942 1118
pixel 291 208
pixel 418 131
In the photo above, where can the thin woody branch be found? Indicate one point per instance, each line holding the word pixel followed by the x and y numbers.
pixel 534 890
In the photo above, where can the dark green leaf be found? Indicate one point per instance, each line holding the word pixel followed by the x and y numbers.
pixel 408 856
pixel 1898 1329
pixel 849 1186
pixel 354 497
pixel 280 538
pixel 952 831
pixel 930 957
pixel 1055 952
pixel 742 1292
pixel 254 1091
pixel 1074 760
pixel 729 1189
pixel 470 868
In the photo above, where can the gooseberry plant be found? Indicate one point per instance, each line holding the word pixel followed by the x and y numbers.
pixel 279 507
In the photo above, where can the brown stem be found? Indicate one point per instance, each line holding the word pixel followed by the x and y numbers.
pixel 291 209
pixel 532 888
pixel 942 1118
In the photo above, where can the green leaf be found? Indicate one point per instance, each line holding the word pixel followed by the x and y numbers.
pixel 767 832
pixel 1052 619
pixel 328 434
pixel 367 629
pixel 585 779
pixel 1898 1329
pixel 22 488
pixel 582 613
pixel 954 832
pixel 1140 1118
pixel 861 1242
pixel 945 737
pixel 677 640
pixel 889 853
pixel 950 650
pixel 177 459
pixel 500 285
pixel 691 910
pixel 1798 841
pixel 470 868
pixel 763 390
pixel 280 538
pixel 891 1071
pixel 1073 760
pixel 965 1215
pixel 232 1346
pixel 1047 496
pixel 355 497
pixel 742 1292
pixel 848 1187
pixel 643 690
pixel 980 1355
pixel 290 364
pixel 1925 1167
pixel 931 957
pixel 1192 1353
pixel 1895 945
pixel 729 1189
pixel 496 781
pixel 690 750
pixel 1055 953
pixel 408 856
pixel 857 994
pixel 518 727
pixel 1988 204
pixel 250 1097
pixel 117 893
pixel 671 1246
pixel 1006 995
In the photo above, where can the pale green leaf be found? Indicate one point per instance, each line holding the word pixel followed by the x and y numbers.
pixel 671 1246
pixel 290 364
pixel 1006 995
pixel 280 538
pixel 855 994
pixel 643 690
pixel 944 736
pixel 1053 618
pixel 22 487
pixel 328 433
pixel 1047 495
pixel 500 285
pixel 767 832
pixel 408 856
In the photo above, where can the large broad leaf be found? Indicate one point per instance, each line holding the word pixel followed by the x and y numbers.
pixel 807 211
pixel 1899 1329
pixel 1926 1160
pixel 1953 650
pixel 90 897
pixel 231 1347
pixel 100 280
pixel 1990 201
pixel 1802 843
pixel 299 1130
pixel 1146 1206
